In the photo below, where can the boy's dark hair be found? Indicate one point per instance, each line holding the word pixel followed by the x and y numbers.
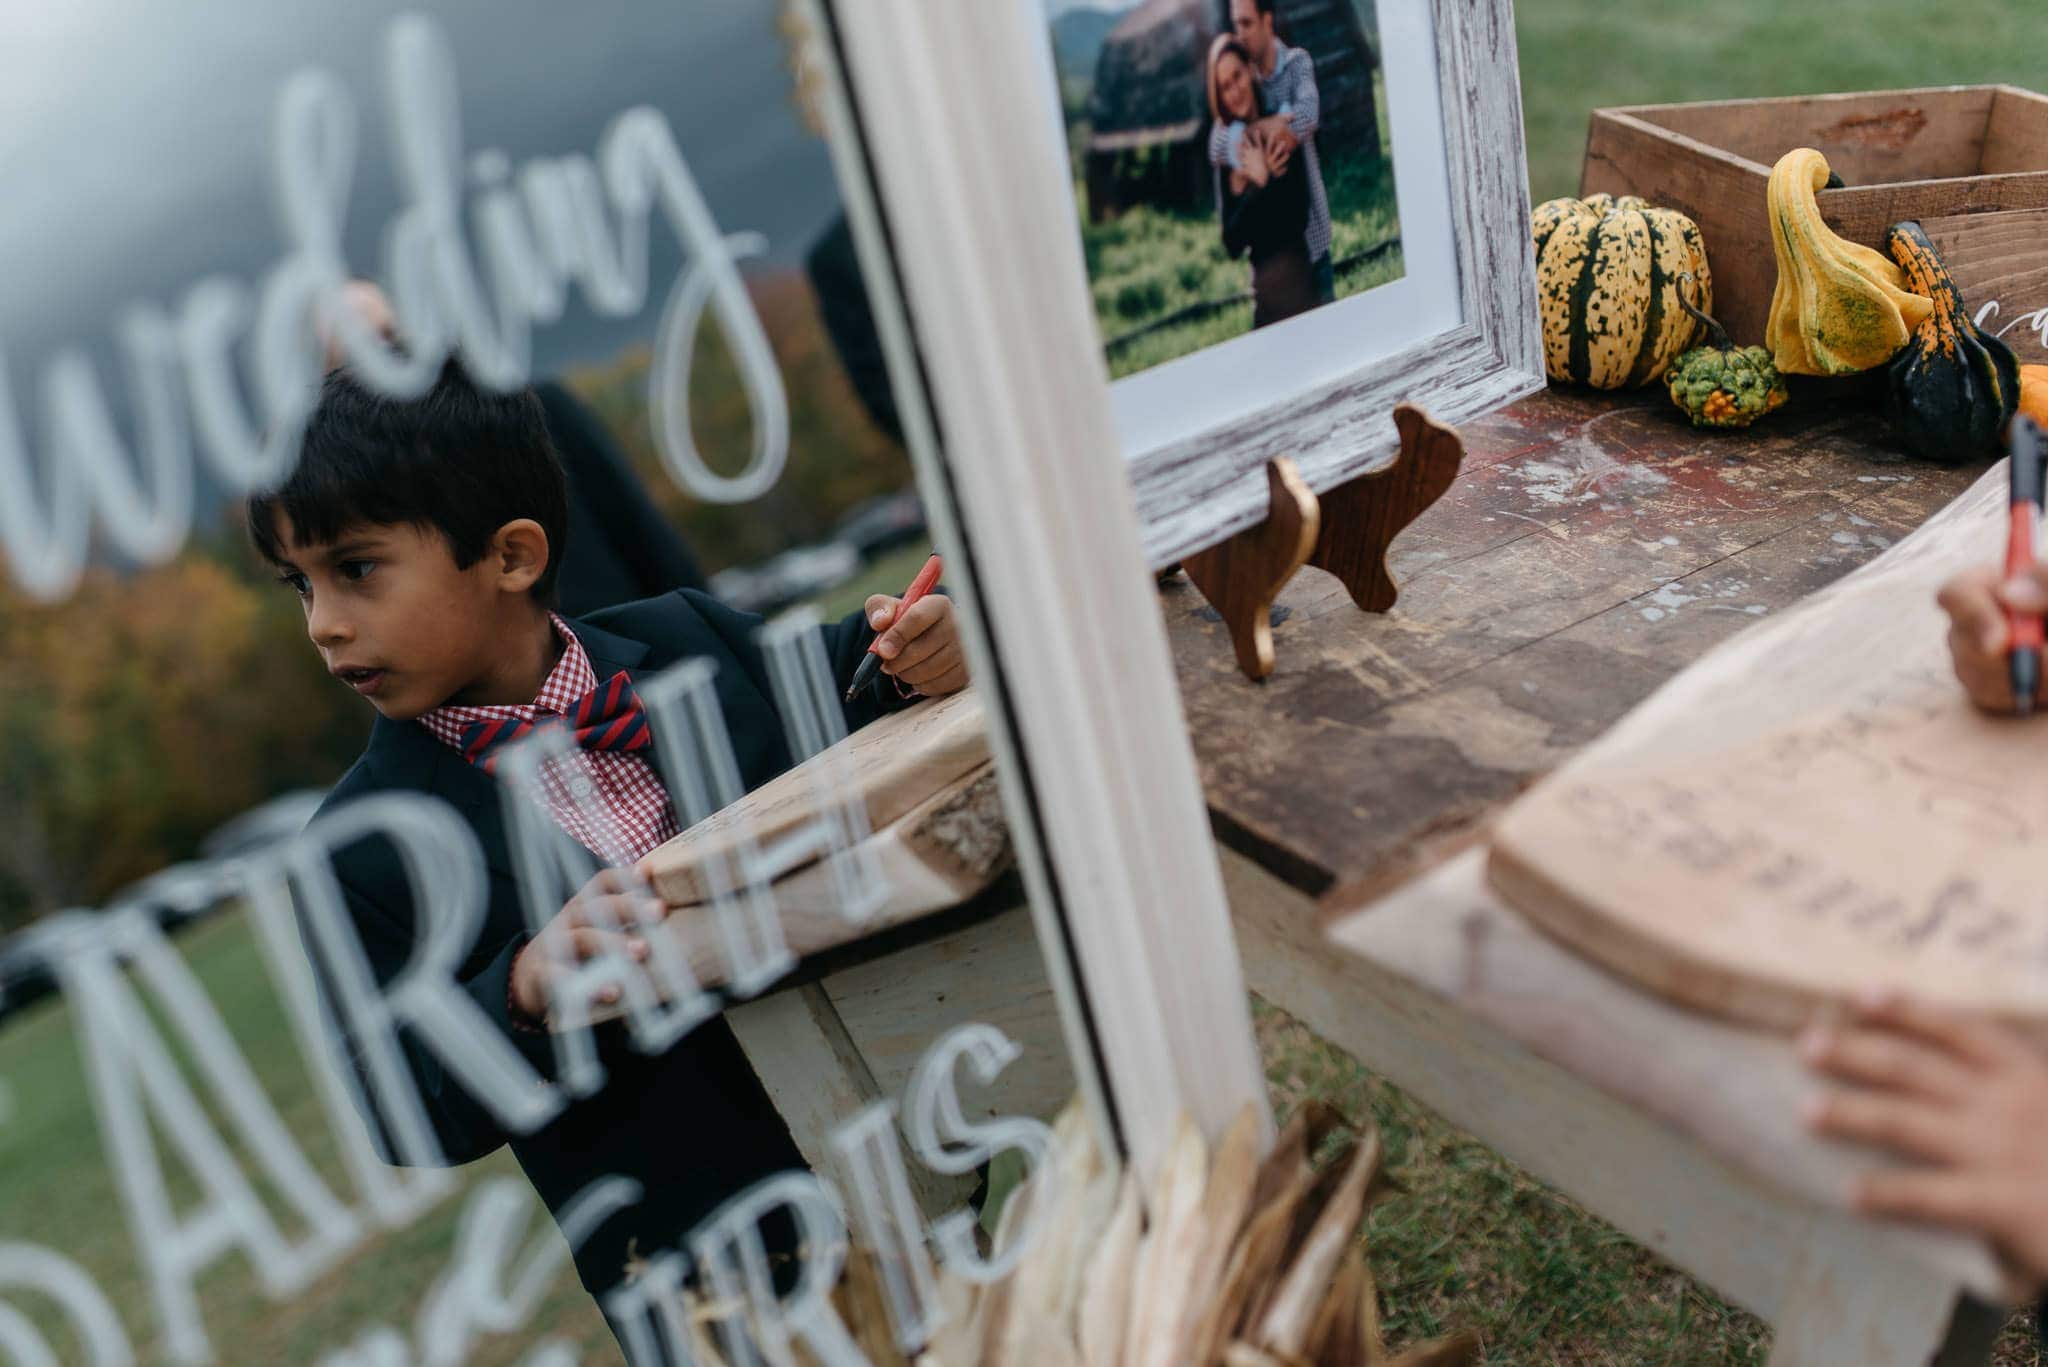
pixel 461 459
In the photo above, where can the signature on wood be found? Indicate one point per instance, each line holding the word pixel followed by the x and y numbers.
pixel 1889 752
pixel 1804 881
pixel 2034 321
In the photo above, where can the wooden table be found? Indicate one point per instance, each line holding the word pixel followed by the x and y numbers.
pixel 1593 546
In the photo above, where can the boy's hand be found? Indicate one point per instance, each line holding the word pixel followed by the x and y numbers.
pixel 602 917
pixel 920 648
pixel 1978 637
pixel 1966 1100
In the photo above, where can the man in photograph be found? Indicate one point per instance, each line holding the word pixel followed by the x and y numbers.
pixel 1287 86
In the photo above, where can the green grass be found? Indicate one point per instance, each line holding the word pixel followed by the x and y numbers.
pixel 889 572
pixel 57 1189
pixel 1577 56
pixel 1472 1243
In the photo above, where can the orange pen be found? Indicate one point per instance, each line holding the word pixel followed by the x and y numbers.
pixel 919 587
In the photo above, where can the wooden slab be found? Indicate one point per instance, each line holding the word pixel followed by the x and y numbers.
pixel 1921 154
pixel 1635 1106
pixel 893 765
pixel 937 855
pixel 2000 265
pixel 1810 809
pixel 1592 546
pixel 2016 136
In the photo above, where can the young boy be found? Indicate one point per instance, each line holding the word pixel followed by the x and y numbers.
pixel 422 537
pixel 1964 1101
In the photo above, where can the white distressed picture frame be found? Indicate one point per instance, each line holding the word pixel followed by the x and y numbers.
pixel 1194 492
pixel 978 293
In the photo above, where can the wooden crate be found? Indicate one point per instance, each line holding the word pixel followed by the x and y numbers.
pixel 1957 158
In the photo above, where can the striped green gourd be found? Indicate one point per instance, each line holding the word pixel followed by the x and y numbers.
pixel 1607 271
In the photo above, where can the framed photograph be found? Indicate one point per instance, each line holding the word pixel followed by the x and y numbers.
pixel 1290 216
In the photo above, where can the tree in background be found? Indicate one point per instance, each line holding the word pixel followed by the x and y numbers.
pixel 144 711
pixel 837 456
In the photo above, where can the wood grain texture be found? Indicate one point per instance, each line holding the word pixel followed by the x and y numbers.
pixel 1361 517
pixel 1192 494
pixel 935 856
pixel 891 766
pixel 818 1079
pixel 1819 809
pixel 1683 1134
pixel 2000 265
pixel 1868 137
pixel 1905 154
pixel 1592 546
pixel 2016 135
pixel 992 971
pixel 1242 574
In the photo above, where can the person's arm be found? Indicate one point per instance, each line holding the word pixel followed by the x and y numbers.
pixel 846 643
pixel 1224 141
pixel 1962 1101
pixel 1304 104
pixel 463 1127
pixel 1247 211
pixel 509 983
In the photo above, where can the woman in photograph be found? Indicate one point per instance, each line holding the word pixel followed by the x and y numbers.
pixel 1264 211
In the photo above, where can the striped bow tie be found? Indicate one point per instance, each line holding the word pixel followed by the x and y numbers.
pixel 608 717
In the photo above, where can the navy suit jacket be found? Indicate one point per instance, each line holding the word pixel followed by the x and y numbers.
pixel 692 1125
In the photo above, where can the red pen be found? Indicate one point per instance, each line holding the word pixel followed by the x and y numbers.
pixel 919 587
pixel 2025 627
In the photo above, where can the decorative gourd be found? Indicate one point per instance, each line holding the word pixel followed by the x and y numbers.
pixel 1839 306
pixel 1607 270
pixel 1953 388
pixel 2034 393
pixel 1721 384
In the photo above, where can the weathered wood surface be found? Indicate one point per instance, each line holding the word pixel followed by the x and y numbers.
pixel 936 856
pixel 1904 154
pixel 993 972
pixel 892 766
pixel 1681 1131
pixel 1811 809
pixel 2016 135
pixel 2000 265
pixel 829 1048
pixel 818 1079
pixel 1594 545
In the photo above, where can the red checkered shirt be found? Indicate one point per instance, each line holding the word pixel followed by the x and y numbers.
pixel 626 795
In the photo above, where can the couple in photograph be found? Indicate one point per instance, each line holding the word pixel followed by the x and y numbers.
pixel 1265 111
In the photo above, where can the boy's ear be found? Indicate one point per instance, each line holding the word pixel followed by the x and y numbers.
pixel 520 551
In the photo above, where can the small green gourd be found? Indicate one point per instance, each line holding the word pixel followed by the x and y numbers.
pixel 1721 384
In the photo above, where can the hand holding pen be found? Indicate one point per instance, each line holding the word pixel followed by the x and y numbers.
pixel 919 641
pixel 1995 609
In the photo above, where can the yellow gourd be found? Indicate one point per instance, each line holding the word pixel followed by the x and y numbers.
pixel 1840 307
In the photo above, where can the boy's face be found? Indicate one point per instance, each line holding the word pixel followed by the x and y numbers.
pixel 396 620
